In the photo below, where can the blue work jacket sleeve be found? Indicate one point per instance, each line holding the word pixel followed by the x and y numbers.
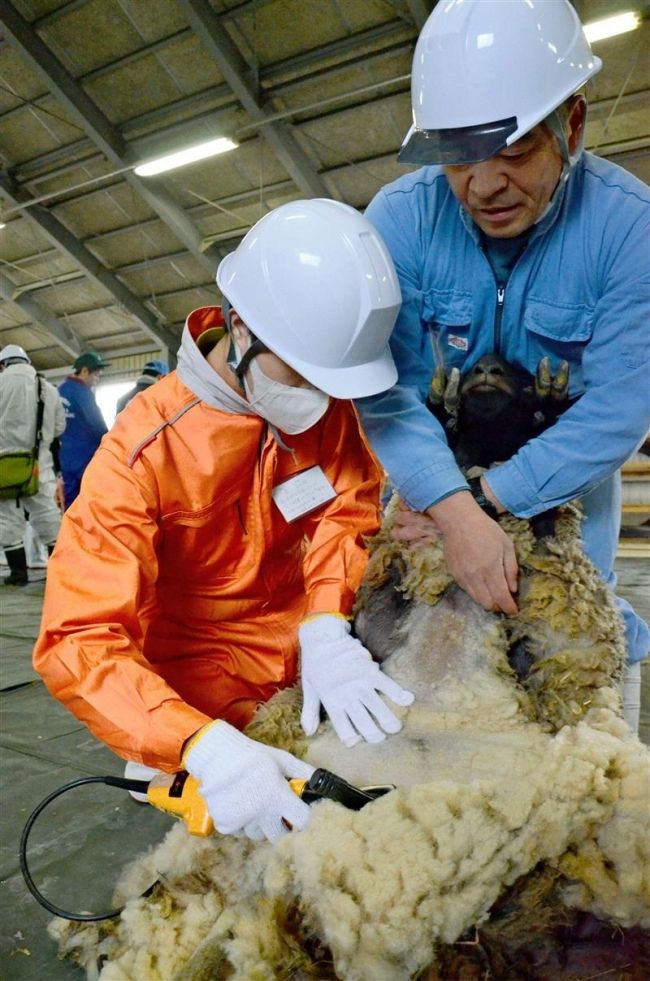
pixel 407 438
pixel 90 414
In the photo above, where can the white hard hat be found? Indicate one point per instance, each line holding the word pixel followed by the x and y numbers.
pixel 486 72
pixel 314 281
pixel 14 351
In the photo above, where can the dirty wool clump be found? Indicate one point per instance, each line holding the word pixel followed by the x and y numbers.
pixel 568 628
pixel 503 768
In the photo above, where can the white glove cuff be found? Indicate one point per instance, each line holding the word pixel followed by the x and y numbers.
pixel 216 739
pixel 324 629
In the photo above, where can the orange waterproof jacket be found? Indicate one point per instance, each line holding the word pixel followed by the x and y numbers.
pixel 176 587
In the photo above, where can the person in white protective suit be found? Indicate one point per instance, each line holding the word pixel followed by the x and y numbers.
pixel 18 414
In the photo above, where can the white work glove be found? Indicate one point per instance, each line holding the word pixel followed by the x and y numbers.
pixel 245 783
pixel 338 672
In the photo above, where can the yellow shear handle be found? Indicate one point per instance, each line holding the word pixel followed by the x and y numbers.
pixel 179 794
pixel 298 786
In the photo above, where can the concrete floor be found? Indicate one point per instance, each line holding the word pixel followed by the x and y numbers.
pixel 83 839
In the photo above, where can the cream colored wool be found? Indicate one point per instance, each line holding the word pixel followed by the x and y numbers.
pixel 382 886
pixel 494 777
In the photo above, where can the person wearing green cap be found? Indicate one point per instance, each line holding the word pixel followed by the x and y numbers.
pixel 85 425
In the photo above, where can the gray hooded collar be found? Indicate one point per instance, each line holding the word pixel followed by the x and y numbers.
pixel 201 378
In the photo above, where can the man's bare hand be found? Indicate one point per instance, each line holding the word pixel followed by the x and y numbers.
pixel 59 494
pixel 479 554
pixel 413 526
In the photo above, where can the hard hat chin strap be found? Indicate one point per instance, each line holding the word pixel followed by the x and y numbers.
pixel 557 123
pixel 241 367
pixel 226 310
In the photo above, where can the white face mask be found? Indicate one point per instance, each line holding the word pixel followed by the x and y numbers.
pixel 290 409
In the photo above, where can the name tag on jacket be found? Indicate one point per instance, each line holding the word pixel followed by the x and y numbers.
pixel 303 493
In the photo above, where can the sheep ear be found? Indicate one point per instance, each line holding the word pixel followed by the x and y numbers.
pixel 560 382
pixel 452 392
pixel 438 383
pixel 543 378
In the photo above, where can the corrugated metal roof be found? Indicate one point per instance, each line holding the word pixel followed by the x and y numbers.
pixel 93 257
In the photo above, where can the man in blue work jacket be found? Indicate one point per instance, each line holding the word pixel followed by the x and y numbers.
pixel 85 425
pixel 517 242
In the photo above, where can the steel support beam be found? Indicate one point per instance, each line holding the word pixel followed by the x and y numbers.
pixel 216 40
pixel 210 102
pixel 96 125
pixel 60 332
pixel 419 10
pixel 69 244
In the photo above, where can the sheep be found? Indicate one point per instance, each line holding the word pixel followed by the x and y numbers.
pixel 514 773
pixel 376 892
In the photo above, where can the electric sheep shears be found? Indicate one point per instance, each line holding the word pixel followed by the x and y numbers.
pixel 179 794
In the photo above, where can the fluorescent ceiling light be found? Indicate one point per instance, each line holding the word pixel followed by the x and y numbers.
pixel 182 157
pixel 610 26
pixel 2 224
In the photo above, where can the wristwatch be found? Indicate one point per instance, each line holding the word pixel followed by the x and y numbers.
pixel 481 499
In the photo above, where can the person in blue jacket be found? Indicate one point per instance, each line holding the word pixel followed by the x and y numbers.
pixel 85 425
pixel 515 241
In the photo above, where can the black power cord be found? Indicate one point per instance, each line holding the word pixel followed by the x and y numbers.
pixel 139 786
pixel 321 785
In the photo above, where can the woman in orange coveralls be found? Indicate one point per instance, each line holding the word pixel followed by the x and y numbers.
pixel 220 526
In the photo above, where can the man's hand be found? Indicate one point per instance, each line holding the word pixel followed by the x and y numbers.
pixel 413 526
pixel 59 493
pixel 479 554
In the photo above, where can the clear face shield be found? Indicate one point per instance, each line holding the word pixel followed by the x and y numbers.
pixel 473 144
pixel 461 145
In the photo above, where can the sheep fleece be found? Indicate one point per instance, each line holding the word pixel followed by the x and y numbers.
pixel 493 777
